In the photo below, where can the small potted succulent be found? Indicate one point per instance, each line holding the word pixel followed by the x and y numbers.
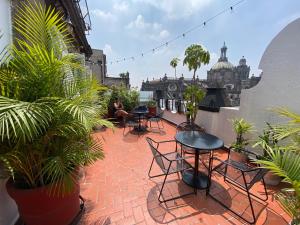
pixel 241 128
pixel 152 107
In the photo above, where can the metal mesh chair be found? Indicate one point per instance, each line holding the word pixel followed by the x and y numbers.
pixel 242 176
pixel 169 163
pixel 130 122
pixel 156 119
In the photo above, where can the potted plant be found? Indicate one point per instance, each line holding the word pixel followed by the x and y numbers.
pixel 241 128
pixel 265 141
pixel 284 161
pixel 48 107
pixel 195 56
pixel 152 107
pixel 193 95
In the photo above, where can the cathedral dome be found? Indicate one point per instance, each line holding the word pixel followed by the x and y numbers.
pixel 222 65
pixel 223 62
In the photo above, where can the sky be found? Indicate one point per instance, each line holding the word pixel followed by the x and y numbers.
pixel 129 28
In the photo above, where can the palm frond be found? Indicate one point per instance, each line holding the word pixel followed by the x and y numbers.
pixel 23 121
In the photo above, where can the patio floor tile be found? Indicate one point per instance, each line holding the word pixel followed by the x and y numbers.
pixel 117 190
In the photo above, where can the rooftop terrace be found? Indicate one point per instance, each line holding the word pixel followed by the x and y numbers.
pixel 117 190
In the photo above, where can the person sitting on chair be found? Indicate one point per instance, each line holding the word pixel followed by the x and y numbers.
pixel 119 109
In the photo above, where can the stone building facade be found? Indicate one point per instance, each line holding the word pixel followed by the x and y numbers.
pixel 170 87
pixel 222 75
pixel 98 67
pixel 234 78
pixel 71 12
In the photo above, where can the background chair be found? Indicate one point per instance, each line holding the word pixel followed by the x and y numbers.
pixel 130 122
pixel 156 119
pixel 169 163
pixel 241 175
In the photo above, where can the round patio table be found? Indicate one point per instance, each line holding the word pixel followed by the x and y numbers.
pixel 200 142
pixel 140 113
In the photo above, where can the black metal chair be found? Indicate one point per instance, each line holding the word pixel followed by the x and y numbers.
pixel 169 163
pixel 242 176
pixel 156 119
pixel 130 122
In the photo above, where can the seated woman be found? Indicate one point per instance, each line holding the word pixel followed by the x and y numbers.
pixel 119 109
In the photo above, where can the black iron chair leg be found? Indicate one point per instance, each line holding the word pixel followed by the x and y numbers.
pixel 159 175
pixel 160 197
pixel 251 206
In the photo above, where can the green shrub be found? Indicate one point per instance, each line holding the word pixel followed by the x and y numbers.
pixel 129 98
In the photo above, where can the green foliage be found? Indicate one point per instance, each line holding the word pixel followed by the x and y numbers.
pixel 129 98
pixel 48 104
pixel 284 160
pixel 240 127
pixel 193 95
pixel 174 62
pixel 195 56
pixel 151 103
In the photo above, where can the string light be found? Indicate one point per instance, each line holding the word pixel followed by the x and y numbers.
pixel 166 44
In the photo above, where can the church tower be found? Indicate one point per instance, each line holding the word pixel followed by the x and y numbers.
pixel 243 69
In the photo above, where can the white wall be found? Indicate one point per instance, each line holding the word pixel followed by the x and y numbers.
pixel 219 123
pixel 8 208
pixel 279 87
pixel 280 83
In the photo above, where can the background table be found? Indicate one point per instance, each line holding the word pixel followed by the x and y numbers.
pixel 140 113
pixel 200 142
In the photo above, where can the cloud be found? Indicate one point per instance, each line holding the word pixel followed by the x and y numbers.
pixel 139 23
pixel 153 31
pixel 121 6
pixel 164 34
pixel 176 9
pixel 107 49
pixel 105 16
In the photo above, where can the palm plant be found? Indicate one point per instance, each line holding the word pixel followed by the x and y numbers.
pixel 193 95
pixel 174 63
pixel 195 56
pixel 48 105
pixel 284 161
pixel 240 127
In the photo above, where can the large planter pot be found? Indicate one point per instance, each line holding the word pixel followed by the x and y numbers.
pixel 152 110
pixel 37 207
pixel 272 179
pixel 239 157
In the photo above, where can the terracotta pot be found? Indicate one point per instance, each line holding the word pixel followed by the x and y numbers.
pixel 37 207
pixel 152 111
pixel 239 157
pixel 272 179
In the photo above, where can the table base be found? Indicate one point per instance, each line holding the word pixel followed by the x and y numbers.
pixel 201 180
pixel 140 128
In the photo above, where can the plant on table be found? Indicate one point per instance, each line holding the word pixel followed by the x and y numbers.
pixel 284 160
pixel 48 105
pixel 151 103
pixel 195 56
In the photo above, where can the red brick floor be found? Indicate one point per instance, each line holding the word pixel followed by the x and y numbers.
pixel 117 190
